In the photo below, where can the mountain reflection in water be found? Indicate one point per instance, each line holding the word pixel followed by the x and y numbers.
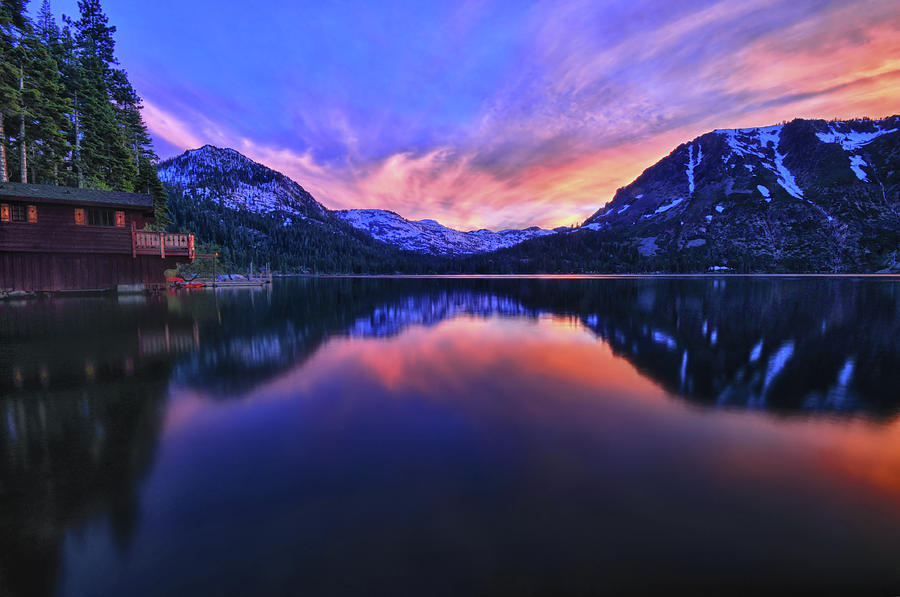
pixel 501 435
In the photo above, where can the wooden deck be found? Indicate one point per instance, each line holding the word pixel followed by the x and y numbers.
pixel 162 244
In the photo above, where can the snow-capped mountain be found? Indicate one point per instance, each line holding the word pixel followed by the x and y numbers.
pixel 253 214
pixel 429 236
pixel 237 182
pixel 808 194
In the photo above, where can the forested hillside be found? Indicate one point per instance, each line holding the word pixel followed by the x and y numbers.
pixel 68 113
pixel 308 245
pixel 251 214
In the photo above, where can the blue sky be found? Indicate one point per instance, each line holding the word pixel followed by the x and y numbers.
pixel 491 114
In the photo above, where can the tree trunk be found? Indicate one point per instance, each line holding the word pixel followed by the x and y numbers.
pixel 77 146
pixel 23 148
pixel 3 175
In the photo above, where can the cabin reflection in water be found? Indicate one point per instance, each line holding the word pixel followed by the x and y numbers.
pixel 82 392
pixel 84 383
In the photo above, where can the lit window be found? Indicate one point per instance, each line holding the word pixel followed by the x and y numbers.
pixel 79 216
pixel 120 219
pixel 18 212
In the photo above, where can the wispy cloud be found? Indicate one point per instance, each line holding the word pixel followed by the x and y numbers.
pixel 496 114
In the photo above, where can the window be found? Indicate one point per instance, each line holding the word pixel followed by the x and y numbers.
pixel 120 219
pixel 18 212
pixel 101 217
pixel 79 216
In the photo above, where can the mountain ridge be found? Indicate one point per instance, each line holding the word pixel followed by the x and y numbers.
pixel 801 196
pixel 238 182
pixel 235 181
pixel 807 194
pixel 250 214
pixel 430 236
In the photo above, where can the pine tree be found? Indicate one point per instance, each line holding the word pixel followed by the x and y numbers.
pixel 128 105
pixel 12 21
pixel 44 111
pixel 53 111
pixel 103 152
pixel 72 79
pixel 45 26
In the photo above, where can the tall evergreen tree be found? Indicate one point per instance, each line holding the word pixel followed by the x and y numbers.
pixel 54 115
pixel 12 21
pixel 104 152
pixel 45 109
pixel 45 25
pixel 72 78
pixel 128 105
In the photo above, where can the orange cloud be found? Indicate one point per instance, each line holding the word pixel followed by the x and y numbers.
pixel 440 184
pixel 556 141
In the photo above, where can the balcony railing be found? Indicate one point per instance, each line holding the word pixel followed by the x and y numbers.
pixel 162 244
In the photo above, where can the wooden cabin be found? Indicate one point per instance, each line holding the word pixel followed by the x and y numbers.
pixel 62 238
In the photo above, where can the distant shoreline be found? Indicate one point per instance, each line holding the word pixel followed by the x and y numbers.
pixel 592 276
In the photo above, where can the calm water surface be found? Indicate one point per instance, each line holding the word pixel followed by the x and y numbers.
pixel 437 437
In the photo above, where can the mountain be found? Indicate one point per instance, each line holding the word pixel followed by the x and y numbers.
pixel 803 196
pixel 253 215
pixel 224 179
pixel 428 236
pixel 237 182
pixel 808 195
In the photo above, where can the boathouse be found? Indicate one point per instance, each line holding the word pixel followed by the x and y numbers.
pixel 62 238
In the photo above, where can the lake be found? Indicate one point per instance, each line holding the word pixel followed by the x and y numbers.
pixel 455 436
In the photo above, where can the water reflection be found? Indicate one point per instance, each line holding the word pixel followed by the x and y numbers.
pixel 448 417
pixel 82 407
pixel 793 345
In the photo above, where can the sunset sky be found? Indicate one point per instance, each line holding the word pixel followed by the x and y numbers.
pixel 491 114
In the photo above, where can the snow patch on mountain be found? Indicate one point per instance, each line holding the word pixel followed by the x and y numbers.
pixel 856 164
pixel 429 236
pixel 668 206
pixel 691 164
pixel 772 136
pixel 226 176
pixel 763 143
pixel 850 139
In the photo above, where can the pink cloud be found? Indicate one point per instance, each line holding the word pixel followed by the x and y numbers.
pixel 551 149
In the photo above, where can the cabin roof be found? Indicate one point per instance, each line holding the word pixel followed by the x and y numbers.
pixel 54 194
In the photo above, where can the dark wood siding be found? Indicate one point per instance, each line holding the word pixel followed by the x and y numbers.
pixel 56 232
pixel 55 253
pixel 68 271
